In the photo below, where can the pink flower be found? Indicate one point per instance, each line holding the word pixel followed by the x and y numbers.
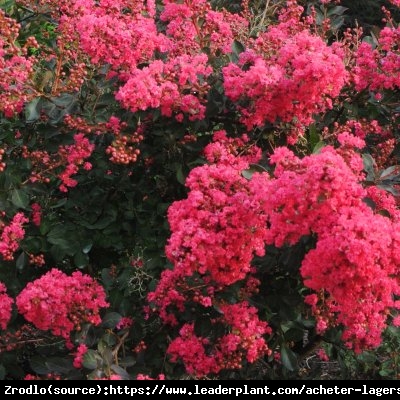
pixel 5 306
pixel 142 377
pixel 11 236
pixel 36 213
pixel 80 352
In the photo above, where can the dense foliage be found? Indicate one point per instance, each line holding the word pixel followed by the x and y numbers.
pixel 198 189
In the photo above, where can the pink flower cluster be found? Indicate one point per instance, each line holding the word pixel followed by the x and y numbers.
pixel 244 341
pixel 36 214
pixel 61 303
pixel 284 75
pixel 5 306
pixel 378 69
pixel 79 354
pixel 355 262
pixel 16 67
pixel 164 85
pixel 192 25
pixel 75 156
pixel 142 377
pixel 395 2
pixel 11 235
pixel 208 234
pixel 120 33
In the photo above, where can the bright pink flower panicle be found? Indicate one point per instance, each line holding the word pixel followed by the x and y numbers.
pixel 285 75
pixel 61 303
pixel 245 341
pixel 378 69
pixel 6 303
pixel 16 67
pixel 75 156
pixel 208 234
pixel 11 236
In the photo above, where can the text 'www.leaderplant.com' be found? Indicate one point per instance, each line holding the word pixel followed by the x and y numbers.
pixel 199 390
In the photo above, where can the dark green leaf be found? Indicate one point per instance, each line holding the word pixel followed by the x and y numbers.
pixel 38 365
pixel 81 260
pixel 21 261
pixel 59 365
pixel 2 372
pixel 369 167
pixel 91 359
pixel 337 10
pixel 289 359
pixel 121 372
pixel 100 224
pixel 237 47
pixel 180 176
pixel 111 319
pixel 203 327
pixel 19 198
pixel 128 361
pixel 386 372
pixel 105 352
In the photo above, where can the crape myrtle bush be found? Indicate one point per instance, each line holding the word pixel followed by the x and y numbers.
pixel 196 189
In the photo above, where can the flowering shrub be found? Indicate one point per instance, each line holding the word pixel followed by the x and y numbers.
pixel 196 188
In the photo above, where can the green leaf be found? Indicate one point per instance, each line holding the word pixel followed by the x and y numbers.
pixel 100 224
pixel 315 138
pixel 248 173
pixel 106 278
pixel 386 372
pixel 121 372
pixel 7 5
pixel 203 327
pixel 180 176
pixel 128 361
pixel 59 365
pixel 289 359
pixel 337 10
pixel 369 167
pixel 81 260
pixel 111 319
pixel 105 352
pixel 38 364
pixel 3 372
pixel 317 148
pixel 390 172
pixel 21 261
pixel 32 110
pixel 59 203
pixel 109 339
pixel 237 48
pixel 87 247
pixel 19 198
pixel 91 359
